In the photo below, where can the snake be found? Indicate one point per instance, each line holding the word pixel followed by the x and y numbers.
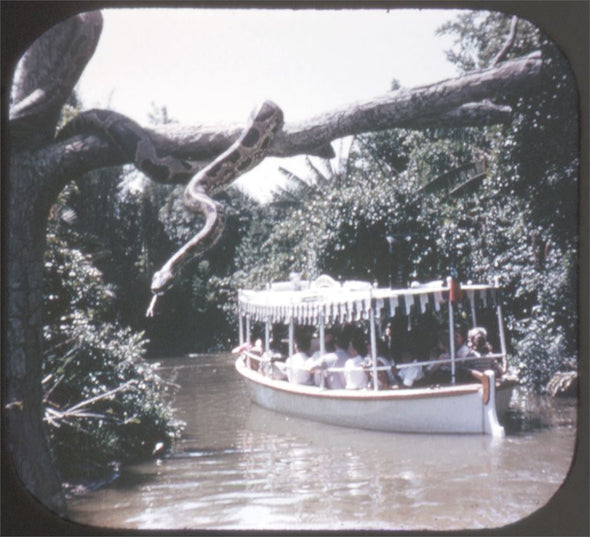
pixel 135 144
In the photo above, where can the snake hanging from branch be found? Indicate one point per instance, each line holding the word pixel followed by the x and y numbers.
pixel 135 143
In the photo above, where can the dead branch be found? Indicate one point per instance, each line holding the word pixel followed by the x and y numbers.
pixel 508 43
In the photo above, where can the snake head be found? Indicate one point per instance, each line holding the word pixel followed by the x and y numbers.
pixel 162 281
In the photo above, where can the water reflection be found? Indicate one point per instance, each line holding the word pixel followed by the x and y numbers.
pixel 242 467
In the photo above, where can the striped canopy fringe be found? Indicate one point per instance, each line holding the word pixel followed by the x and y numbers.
pixel 340 305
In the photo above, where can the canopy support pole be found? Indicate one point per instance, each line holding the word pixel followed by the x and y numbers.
pixel 502 338
pixel 501 327
pixel 373 348
pixel 322 334
pixel 452 340
pixel 240 329
pixel 267 335
pixel 472 303
pixel 291 336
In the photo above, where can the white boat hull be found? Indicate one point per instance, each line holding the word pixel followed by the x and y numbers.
pixel 440 409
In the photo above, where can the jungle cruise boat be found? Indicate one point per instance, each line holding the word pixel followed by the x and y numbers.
pixel 460 390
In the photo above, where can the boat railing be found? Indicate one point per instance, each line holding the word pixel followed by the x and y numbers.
pixel 265 357
pixel 468 358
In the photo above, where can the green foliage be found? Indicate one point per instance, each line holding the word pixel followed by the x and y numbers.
pixel 480 36
pixel 104 403
pixel 517 223
pixel 117 224
pixel 528 215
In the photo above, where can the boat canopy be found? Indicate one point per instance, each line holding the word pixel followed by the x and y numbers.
pixel 306 302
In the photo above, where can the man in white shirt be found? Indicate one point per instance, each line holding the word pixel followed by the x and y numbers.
pixel 356 378
pixel 297 367
pixel 334 380
pixel 410 374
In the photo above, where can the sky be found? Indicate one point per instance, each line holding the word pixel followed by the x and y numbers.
pixel 211 66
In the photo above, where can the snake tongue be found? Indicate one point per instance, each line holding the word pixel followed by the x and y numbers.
pixel 152 307
pixel 162 281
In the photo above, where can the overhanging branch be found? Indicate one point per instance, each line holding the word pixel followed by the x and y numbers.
pixel 461 101
pixel 409 107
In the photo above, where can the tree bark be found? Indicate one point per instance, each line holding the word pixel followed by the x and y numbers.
pixel 459 102
pixel 50 69
pixel 39 168
pixel 24 429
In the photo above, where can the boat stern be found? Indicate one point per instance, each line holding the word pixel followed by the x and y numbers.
pixel 491 424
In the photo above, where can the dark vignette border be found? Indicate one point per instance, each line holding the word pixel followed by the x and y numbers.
pixel 567 22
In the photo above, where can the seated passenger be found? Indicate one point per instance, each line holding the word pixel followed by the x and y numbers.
pixel 296 367
pixel 463 367
pixel 315 364
pixel 465 370
pixel 256 350
pixel 461 348
pixel 328 342
pixel 409 374
pixel 270 366
pixel 439 352
pixel 356 378
pixel 385 377
pixel 334 380
pixel 477 341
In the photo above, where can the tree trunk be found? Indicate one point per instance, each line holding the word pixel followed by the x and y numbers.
pixel 28 203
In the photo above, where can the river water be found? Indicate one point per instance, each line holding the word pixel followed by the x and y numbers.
pixel 241 467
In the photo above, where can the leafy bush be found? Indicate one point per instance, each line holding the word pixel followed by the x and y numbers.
pixel 104 403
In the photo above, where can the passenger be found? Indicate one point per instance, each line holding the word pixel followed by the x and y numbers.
pixel 273 366
pixel 297 366
pixel 477 341
pixel 328 342
pixel 461 351
pixel 440 352
pixel 257 349
pixel 385 377
pixel 318 373
pixel 356 378
pixel 246 350
pixel 387 342
pixel 410 374
pixel 463 368
pixel 461 348
pixel 334 380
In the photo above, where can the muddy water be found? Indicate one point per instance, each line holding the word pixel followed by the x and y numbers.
pixel 242 467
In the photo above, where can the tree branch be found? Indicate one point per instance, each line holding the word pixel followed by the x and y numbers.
pixel 408 107
pixel 461 101
pixel 508 43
